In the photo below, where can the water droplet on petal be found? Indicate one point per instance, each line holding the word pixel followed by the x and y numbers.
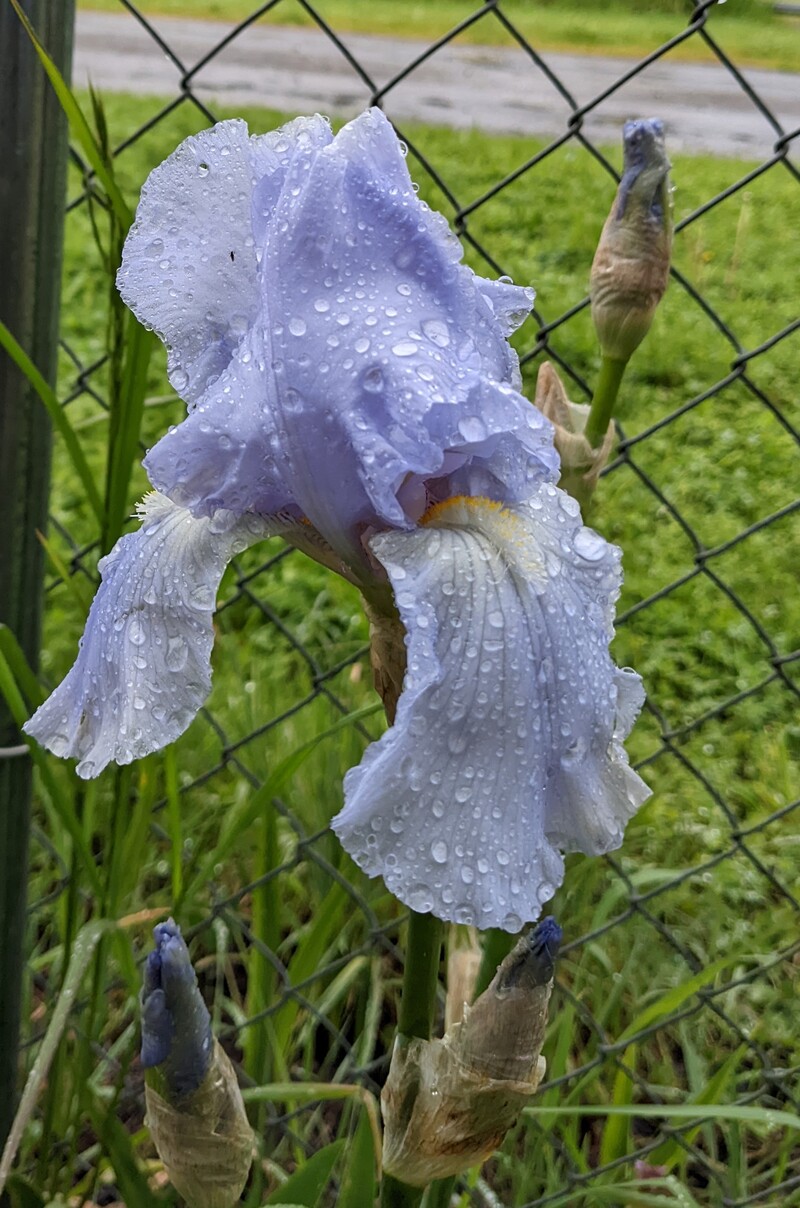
pixel 136 633
pixel 439 851
pixel 436 331
pixel 372 380
pixel 420 898
pixel 589 544
pixel 297 326
pixel 177 653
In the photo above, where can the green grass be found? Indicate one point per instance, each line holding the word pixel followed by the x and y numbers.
pixel 748 30
pixel 151 835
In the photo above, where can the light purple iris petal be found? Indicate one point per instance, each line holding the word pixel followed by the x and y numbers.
pixel 143 670
pixel 506 749
pixel 377 352
pixel 189 266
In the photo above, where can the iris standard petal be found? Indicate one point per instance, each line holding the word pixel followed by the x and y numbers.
pixel 189 266
pixel 381 354
pixel 143 669
pixel 506 748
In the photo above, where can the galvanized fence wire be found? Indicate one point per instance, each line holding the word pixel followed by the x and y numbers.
pixel 766 1075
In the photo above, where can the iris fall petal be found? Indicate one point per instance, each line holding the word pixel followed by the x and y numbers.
pixel 506 748
pixel 143 668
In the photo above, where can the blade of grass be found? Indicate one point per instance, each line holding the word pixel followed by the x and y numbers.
pixel 308 958
pixel 62 807
pixel 767 1117
pixel 132 1182
pixel 174 825
pixel 237 820
pixel 357 1188
pixel 77 122
pixel 309 1092
pixel 616 1140
pixel 57 415
pixel 83 950
pixel 266 927
pixel 76 585
pixel 127 408
pixel 671 1152
pixel 307 1185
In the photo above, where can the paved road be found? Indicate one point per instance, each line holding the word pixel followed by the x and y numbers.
pixel 494 88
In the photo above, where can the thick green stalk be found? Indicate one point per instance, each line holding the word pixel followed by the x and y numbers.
pixel 421 976
pixel 415 1018
pixel 496 946
pixel 605 396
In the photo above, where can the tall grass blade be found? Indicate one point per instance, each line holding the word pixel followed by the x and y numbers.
pixel 242 815
pixel 116 1141
pixel 83 950
pixel 57 415
pixel 77 122
pixel 766 1117
pixel 357 1189
pixel 127 408
pixel 305 1188
pixel 61 805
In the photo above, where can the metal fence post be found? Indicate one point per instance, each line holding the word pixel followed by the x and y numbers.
pixel 33 152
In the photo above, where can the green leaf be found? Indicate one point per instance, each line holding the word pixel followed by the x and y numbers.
pixel 60 801
pixel 237 820
pixel 357 1188
pixel 19 667
pixel 616 1140
pixel 308 958
pixel 57 415
pixel 306 1185
pixel 767 1117
pixel 116 1141
pixel 22 1194
pixel 675 998
pixel 671 1151
pixel 83 950
pixel 127 407
pixel 77 122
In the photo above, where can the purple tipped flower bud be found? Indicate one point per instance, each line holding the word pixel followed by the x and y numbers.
pixel 448 1103
pixel 195 1111
pixel 631 265
pixel 176 1026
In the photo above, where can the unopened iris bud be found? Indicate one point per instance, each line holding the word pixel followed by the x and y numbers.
pixel 447 1104
pixel 195 1111
pixel 631 264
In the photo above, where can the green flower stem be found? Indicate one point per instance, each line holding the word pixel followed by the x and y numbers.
pixel 421 977
pixel 415 1018
pixel 605 396
pixel 496 946
pixel 440 1193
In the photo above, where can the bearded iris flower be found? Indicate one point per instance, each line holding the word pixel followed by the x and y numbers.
pixel 350 385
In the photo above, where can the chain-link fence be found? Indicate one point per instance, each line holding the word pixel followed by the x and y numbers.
pixel 678 965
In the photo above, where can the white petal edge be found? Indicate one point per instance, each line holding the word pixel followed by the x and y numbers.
pixel 143 667
pixel 506 749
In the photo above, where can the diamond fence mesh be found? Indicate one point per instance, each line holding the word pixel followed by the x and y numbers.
pixel 681 949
